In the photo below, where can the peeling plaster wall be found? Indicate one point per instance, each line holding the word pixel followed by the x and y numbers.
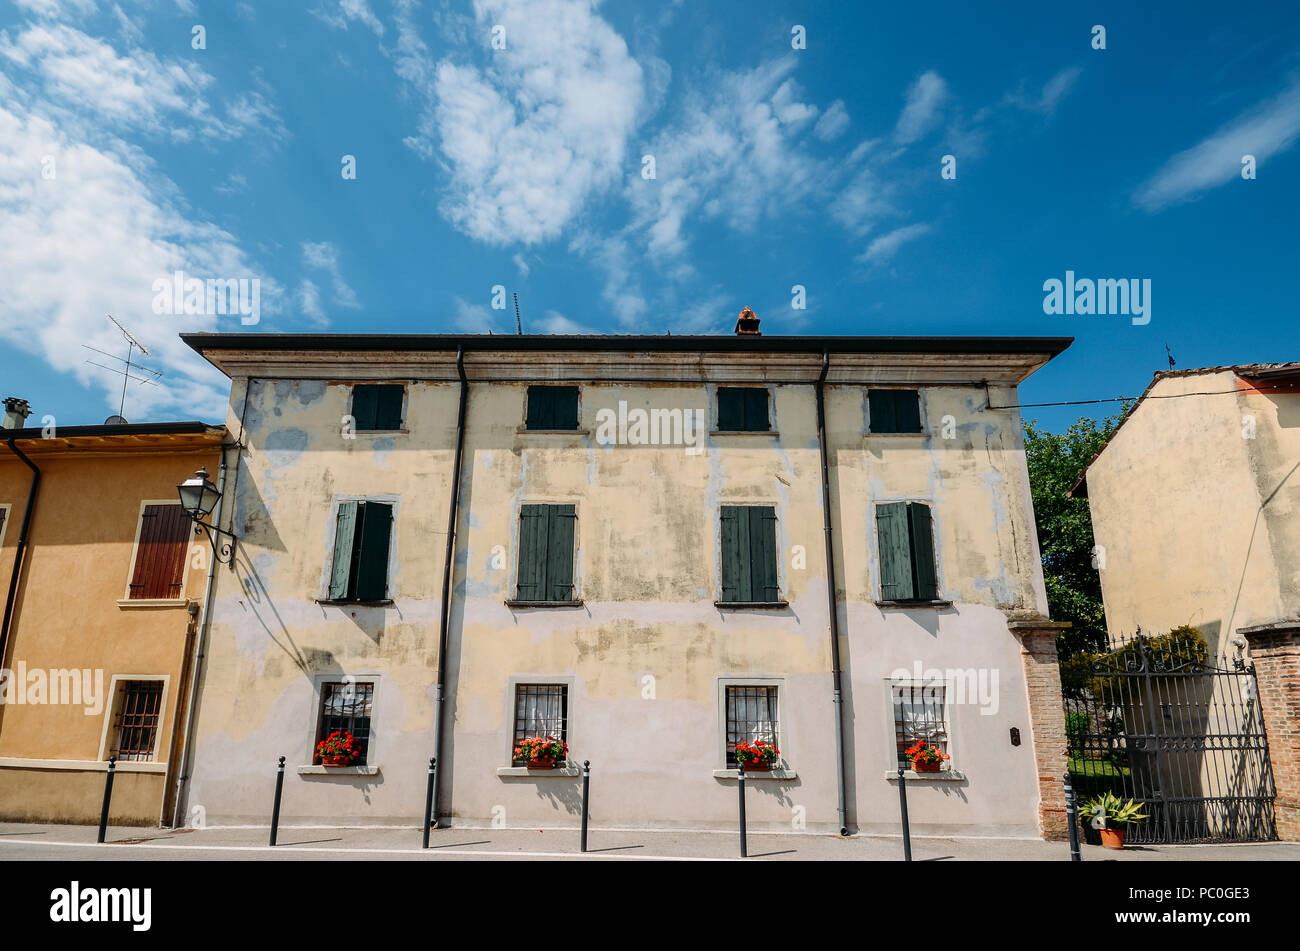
pixel 646 654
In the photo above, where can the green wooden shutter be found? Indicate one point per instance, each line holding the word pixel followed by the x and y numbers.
pixel 880 404
pixel 341 567
pixel 533 531
pixel 895 552
pixel 365 406
pixel 539 409
pixel 564 407
pixel 388 408
pixel 762 558
pixel 731 409
pixel 559 552
pixel 757 419
pixel 376 528
pixel 923 571
pixel 907 411
pixel 736 582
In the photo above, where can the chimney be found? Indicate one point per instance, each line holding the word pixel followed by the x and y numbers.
pixel 16 412
pixel 747 324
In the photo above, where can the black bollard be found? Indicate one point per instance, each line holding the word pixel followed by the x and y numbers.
pixel 586 786
pixel 902 806
pixel 1072 817
pixel 744 850
pixel 275 810
pixel 108 796
pixel 428 799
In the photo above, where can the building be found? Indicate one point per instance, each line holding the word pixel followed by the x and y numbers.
pixel 450 543
pixel 103 580
pixel 1195 503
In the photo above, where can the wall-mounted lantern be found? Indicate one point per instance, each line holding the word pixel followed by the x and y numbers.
pixel 198 498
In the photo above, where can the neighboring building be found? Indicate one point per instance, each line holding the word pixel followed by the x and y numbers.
pixel 103 583
pixel 639 565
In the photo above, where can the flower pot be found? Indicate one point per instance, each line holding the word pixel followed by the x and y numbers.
pixel 758 767
pixel 1113 838
pixel 546 763
pixel 921 766
pixel 336 760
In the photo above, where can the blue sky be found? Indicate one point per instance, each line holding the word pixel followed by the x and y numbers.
pixel 126 154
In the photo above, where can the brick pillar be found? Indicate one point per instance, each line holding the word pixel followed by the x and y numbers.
pixel 1275 651
pixel 1037 636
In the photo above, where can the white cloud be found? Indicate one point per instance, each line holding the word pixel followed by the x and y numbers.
pixel 324 256
pixel 343 12
pixel 521 264
pixel 921 108
pixel 308 299
pixel 56 9
pixel 472 318
pixel 556 323
pixel 1268 129
pixel 833 122
pixel 864 201
pixel 884 247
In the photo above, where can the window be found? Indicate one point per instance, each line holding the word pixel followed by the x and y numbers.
pixel 346 707
pixel 540 710
pixel 135 728
pixel 749 554
pixel 743 409
pixel 751 716
pixel 552 407
pixel 377 406
pixel 907 570
pixel 546 552
pixel 918 715
pixel 360 568
pixel 894 411
pixel 159 571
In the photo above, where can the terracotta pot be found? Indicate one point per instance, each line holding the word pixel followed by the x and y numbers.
pixel 758 767
pixel 920 766
pixel 337 760
pixel 541 764
pixel 1113 838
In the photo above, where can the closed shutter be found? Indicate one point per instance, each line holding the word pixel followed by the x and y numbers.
pixel 388 410
pixel 895 552
pixel 762 559
pixel 907 411
pixel 376 528
pixel 736 581
pixel 344 534
pixel 160 556
pixel 552 407
pixel 365 406
pixel 533 532
pixel 559 552
pixel 923 571
pixel 880 404
pixel 731 409
pixel 756 415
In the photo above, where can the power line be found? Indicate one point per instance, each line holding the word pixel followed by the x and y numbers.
pixel 1150 396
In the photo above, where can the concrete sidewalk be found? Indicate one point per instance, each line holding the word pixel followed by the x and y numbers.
pixel 23 842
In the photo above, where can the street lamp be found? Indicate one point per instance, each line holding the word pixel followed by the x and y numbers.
pixel 198 498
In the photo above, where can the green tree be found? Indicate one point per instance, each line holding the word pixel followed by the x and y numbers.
pixel 1065 528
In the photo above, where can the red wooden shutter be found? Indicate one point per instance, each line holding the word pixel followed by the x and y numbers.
pixel 160 556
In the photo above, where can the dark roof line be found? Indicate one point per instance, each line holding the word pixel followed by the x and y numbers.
pixel 124 429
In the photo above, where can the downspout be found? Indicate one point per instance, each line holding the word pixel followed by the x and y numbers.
pixel 445 614
pixel 830 590
pixel 21 548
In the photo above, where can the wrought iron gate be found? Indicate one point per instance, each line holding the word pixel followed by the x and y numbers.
pixel 1158 720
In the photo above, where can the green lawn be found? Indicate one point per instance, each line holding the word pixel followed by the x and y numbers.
pixel 1081 765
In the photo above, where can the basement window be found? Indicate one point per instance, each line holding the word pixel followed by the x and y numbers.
pixel 135 724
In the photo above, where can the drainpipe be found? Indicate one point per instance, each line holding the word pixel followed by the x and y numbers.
pixel 444 619
pixel 20 550
pixel 830 590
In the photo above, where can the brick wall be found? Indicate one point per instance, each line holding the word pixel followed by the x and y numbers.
pixel 1275 651
pixel 1047 719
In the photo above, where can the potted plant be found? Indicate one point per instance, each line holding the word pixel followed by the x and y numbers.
pixel 756 757
pixel 340 748
pixel 925 759
pixel 1111 815
pixel 539 752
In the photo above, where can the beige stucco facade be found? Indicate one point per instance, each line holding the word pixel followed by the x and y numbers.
pixel 1195 505
pixel 647 653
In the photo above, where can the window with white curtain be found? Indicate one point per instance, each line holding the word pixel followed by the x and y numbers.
pixel 751 716
pixel 541 710
pixel 919 715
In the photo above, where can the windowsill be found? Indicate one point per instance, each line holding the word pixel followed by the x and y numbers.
pixel 943 776
pixel 381 432
pixel 152 602
pixel 782 774
pixel 938 603
pixel 355 604
pixel 751 605
pixel 338 770
pixel 744 432
pixel 544 604
pixel 566 772
pixel 89 765
pixel 554 432
pixel 921 433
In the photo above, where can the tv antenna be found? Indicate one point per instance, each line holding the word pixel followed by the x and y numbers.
pixel 519 324
pixel 150 377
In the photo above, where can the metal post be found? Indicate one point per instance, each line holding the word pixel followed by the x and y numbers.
pixel 428 799
pixel 1072 817
pixel 108 796
pixel 586 786
pixel 744 851
pixel 902 805
pixel 275 810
